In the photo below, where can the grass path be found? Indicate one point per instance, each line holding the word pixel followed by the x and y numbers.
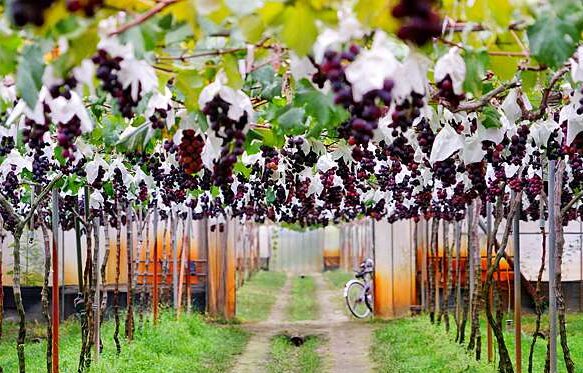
pixel 257 296
pixel 303 304
pixel 285 357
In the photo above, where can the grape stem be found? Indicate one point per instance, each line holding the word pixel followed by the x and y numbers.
pixel 573 200
pixel 533 115
pixel 163 4
pixel 485 99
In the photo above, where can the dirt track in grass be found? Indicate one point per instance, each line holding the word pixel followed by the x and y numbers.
pixel 345 343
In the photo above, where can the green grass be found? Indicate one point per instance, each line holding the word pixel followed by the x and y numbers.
pixel 574 338
pixel 257 296
pixel 188 345
pixel 287 358
pixel 303 303
pixel 413 345
pixel 338 278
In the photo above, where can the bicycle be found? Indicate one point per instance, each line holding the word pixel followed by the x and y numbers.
pixel 358 292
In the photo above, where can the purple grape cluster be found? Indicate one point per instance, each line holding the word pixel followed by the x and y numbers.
pixel 233 139
pixel 24 12
pixel 420 22
pixel 425 136
pixel 518 143
pixel 445 171
pixel 158 119
pixel 107 70
pixel 66 135
pixel 359 129
pixel 6 145
pixel 88 7
pixel 33 132
pixel 189 151
pixel 446 92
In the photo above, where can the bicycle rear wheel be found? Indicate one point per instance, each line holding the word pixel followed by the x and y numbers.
pixel 355 296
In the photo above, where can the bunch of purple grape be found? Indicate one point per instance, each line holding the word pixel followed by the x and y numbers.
pixel 6 145
pixel 233 139
pixel 446 92
pixel 425 136
pixel 518 143
pixel 87 6
pixel 189 151
pixel 420 22
pixel 359 129
pixel 24 12
pixel 107 72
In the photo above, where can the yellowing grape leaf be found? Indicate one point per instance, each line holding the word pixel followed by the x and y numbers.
pixel 252 27
pixel 376 13
pixel 270 12
pixel 299 28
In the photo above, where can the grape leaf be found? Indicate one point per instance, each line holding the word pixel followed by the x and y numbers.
pixel 29 74
pixel 552 40
pixel 269 196
pixel 292 120
pixel 82 46
pixel 476 63
pixel 299 28
pixel 231 67
pixel 8 55
pixel 190 83
pixel 490 117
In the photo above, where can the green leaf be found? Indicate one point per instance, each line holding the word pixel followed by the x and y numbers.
pixel 299 28
pixel 241 169
pixel 252 27
pixel 490 117
pixel 231 67
pixel 476 64
pixel 292 120
pixel 30 73
pixel 82 45
pixel 8 53
pixel 376 13
pixel 268 137
pixel 552 40
pixel 190 83
pixel 269 196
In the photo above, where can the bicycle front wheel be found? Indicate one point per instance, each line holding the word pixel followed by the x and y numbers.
pixel 355 296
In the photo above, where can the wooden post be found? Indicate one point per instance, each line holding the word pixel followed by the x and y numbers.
pixel 383 295
pixel 155 260
pixel 174 223
pixel 129 331
pixel 517 292
pixel 489 335
pixel 213 277
pixel 97 295
pixel 55 294
pixel 229 271
pixel 552 269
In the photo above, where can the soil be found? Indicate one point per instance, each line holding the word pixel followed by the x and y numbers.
pixel 346 341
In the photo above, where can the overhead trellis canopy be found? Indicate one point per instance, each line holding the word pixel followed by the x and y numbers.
pixel 301 112
pixel 306 113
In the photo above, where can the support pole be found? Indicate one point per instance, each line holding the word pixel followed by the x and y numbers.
pixel 97 299
pixel 155 277
pixel 174 260
pixel 55 294
pixel 517 291
pixel 79 255
pixel 488 263
pixel 552 278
